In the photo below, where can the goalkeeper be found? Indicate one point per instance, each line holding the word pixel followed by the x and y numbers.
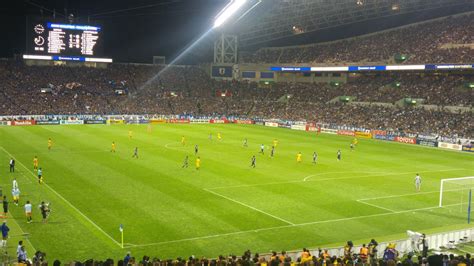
pixel 418 183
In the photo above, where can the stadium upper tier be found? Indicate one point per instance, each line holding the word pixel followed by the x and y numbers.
pixel 447 40
pixel 189 90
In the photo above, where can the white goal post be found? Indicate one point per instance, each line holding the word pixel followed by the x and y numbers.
pixel 455 191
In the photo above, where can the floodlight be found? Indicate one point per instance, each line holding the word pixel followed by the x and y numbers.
pixel 228 11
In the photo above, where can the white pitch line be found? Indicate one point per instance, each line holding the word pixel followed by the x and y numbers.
pixel 23 232
pixel 385 173
pixel 250 207
pixel 128 245
pixel 375 215
pixel 167 145
pixel 375 206
pixel 462 250
pixel 288 182
pixel 27 182
pixel 65 151
pixel 22 183
pixel 346 172
pixel 405 195
pixel 48 128
pixel 65 200
pixel 286 226
pixel 329 179
pixel 256 185
pixel 201 237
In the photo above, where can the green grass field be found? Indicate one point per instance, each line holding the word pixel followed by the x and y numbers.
pixel 227 206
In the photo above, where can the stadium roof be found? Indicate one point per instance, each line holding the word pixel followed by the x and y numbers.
pixel 280 19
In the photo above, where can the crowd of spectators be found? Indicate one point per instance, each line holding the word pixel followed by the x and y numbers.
pixel 442 90
pixel 366 255
pixel 136 89
pixel 440 41
pixel 189 90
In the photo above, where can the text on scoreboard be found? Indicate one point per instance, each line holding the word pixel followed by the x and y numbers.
pixel 50 38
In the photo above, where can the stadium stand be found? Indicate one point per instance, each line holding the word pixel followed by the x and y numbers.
pixel 305 258
pixel 442 107
pixel 189 90
pixel 441 41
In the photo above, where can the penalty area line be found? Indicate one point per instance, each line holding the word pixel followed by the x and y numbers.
pixel 346 172
pixel 308 178
pixel 65 200
pixel 381 174
pixel 408 194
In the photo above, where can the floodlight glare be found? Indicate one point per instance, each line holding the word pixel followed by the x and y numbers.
pixel 228 11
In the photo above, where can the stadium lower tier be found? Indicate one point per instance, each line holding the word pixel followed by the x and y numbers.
pixel 390 101
pixel 408 120
pixel 364 256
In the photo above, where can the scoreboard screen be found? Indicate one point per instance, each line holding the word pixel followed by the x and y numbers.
pixel 49 38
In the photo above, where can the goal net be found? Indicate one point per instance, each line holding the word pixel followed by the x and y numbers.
pixel 455 192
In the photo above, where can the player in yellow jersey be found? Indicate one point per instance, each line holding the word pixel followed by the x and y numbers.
pixel 113 147
pixel 130 134
pixel 198 163
pixel 219 137
pixel 355 141
pixel 35 163
pixel 183 140
pixel 50 144
pixel 148 128
pixel 275 143
pixel 298 157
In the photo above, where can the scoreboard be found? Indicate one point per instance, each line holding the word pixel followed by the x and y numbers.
pixel 49 38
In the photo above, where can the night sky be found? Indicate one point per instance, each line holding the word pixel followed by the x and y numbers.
pixel 136 30
pixel 161 27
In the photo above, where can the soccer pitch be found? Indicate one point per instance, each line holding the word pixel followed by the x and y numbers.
pixel 226 206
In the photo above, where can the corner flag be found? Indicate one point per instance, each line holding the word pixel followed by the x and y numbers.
pixel 121 231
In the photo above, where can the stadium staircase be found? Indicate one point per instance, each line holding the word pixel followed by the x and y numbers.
pixel 284 99
pixel 337 99
pixel 281 53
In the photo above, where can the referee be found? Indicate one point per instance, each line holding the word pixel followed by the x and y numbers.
pixel 12 165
